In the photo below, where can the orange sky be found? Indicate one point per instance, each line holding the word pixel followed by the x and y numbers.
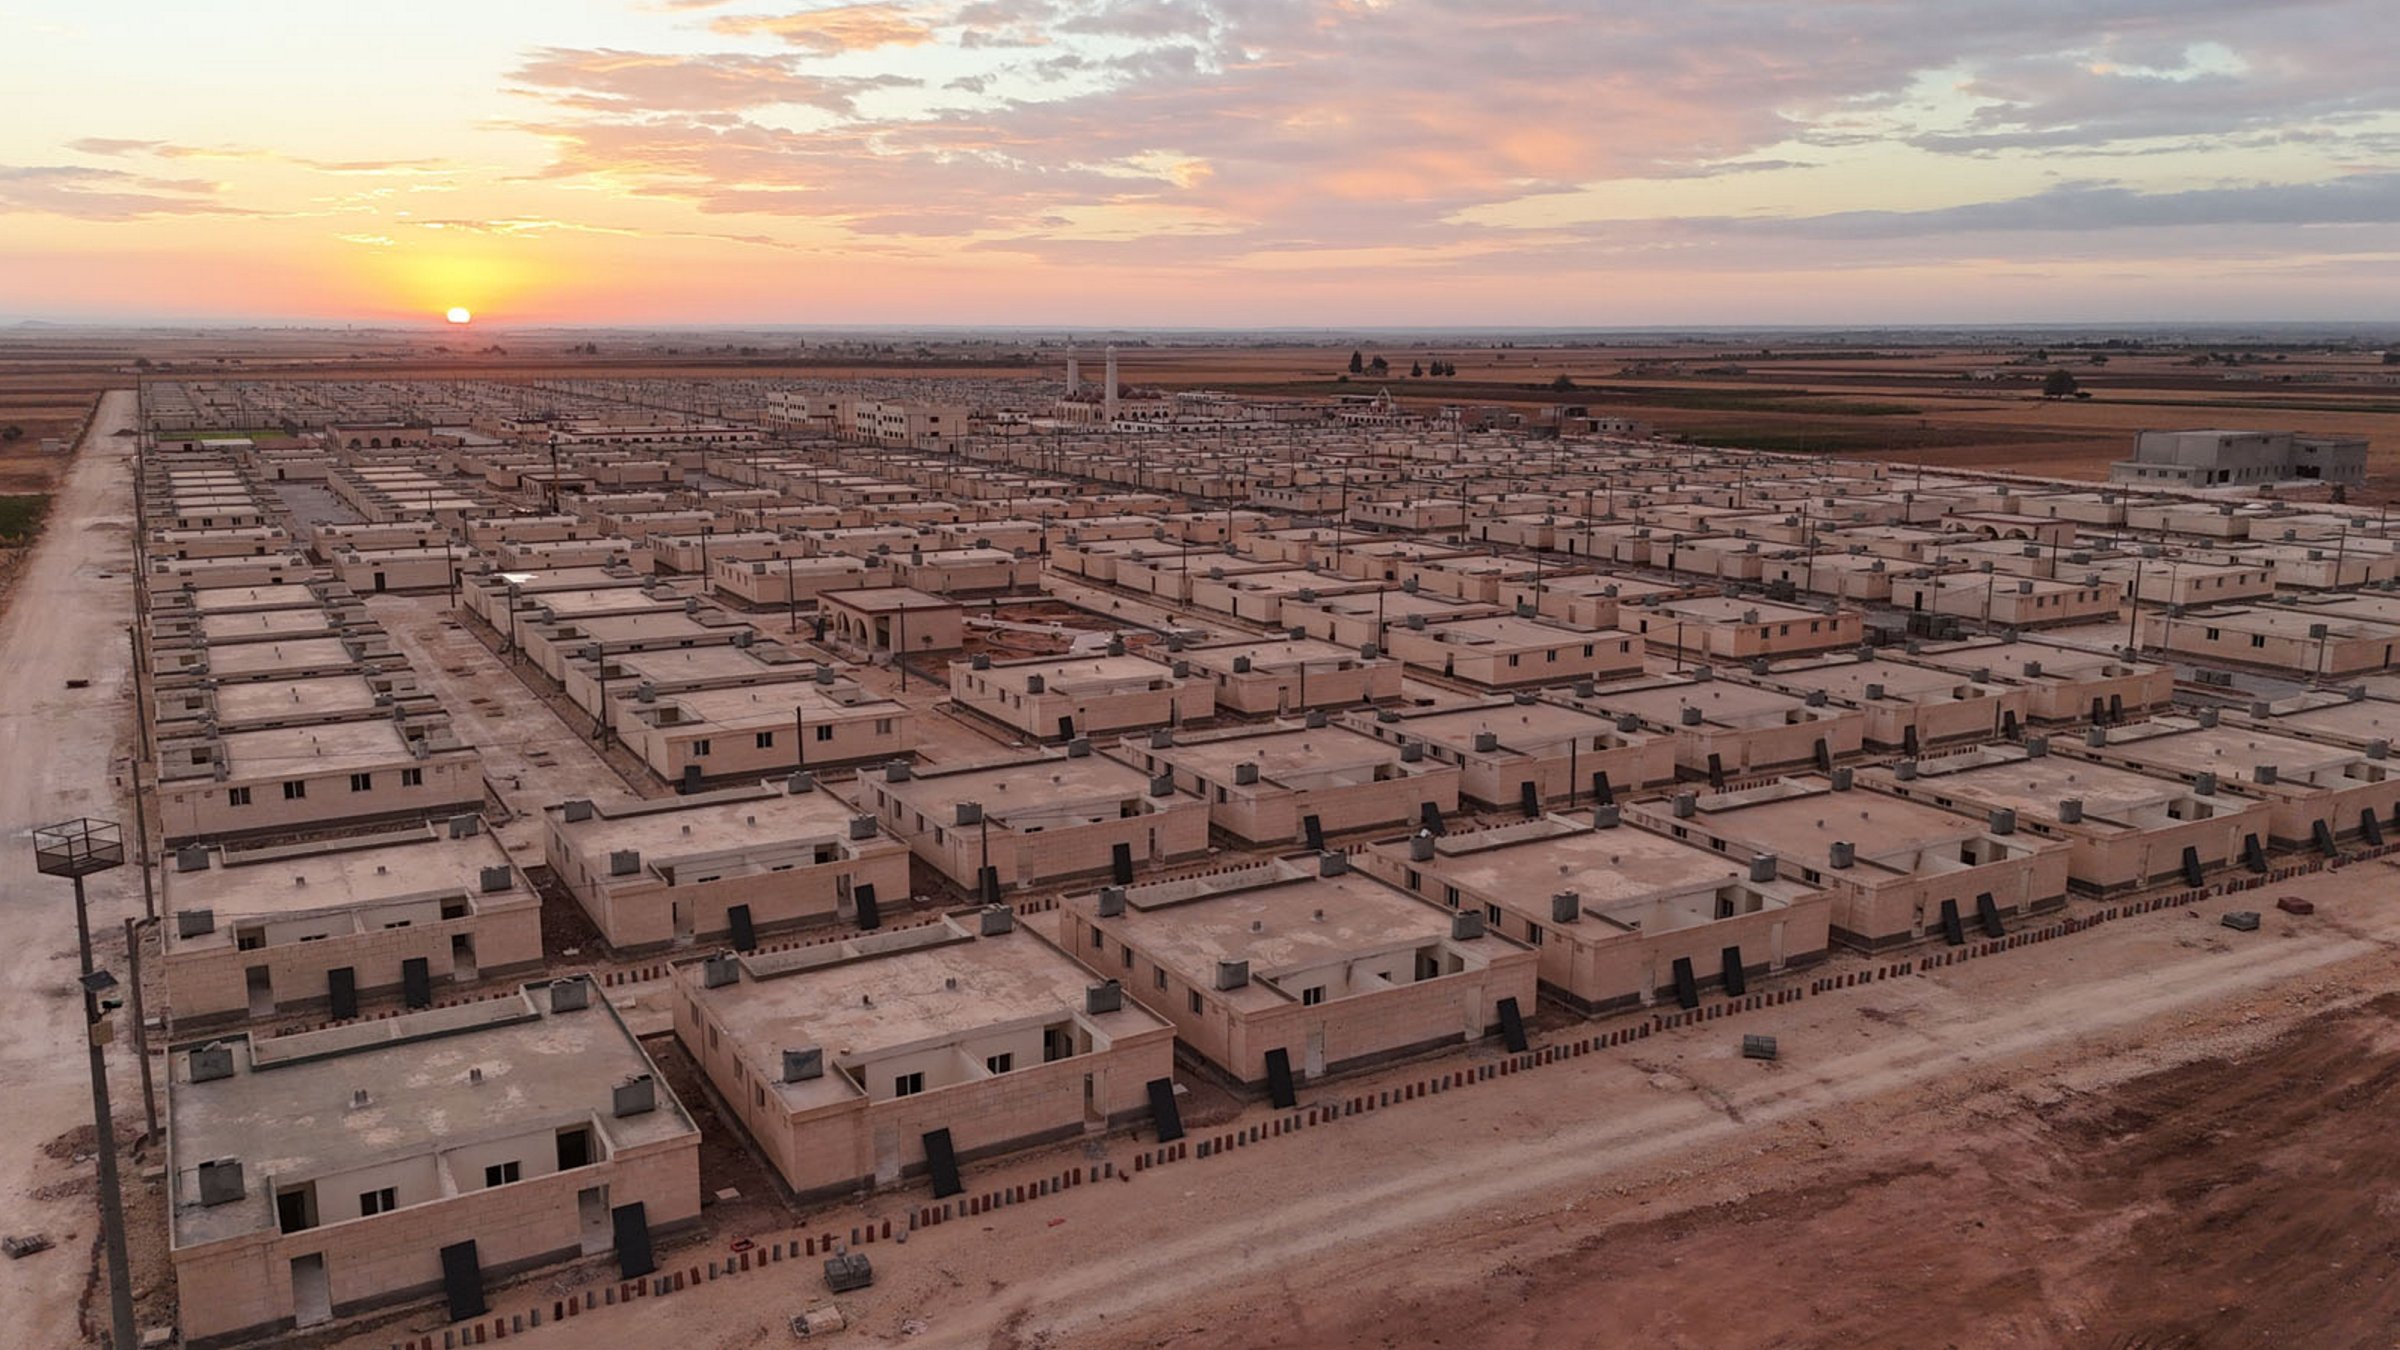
pixel 1202 162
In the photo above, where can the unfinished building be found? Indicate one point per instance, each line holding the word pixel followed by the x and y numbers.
pixel 306 1184
pixel 1284 971
pixel 729 865
pixel 885 1056
pixel 1619 916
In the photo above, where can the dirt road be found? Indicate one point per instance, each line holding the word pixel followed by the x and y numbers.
pixel 63 753
pixel 1969 1156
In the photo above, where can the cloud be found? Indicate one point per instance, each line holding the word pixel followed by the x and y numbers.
pixel 104 194
pixel 607 81
pixel 827 32
pixel 115 147
pixel 2363 199
pixel 1191 133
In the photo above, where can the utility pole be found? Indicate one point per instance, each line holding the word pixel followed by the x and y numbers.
pixel 76 849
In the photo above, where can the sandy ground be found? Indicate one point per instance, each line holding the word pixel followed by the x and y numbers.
pixel 530 758
pixel 2154 1133
pixel 68 754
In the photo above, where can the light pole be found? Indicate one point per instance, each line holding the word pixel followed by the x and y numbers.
pixel 76 849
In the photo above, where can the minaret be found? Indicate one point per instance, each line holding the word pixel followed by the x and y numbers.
pixel 1074 377
pixel 1108 396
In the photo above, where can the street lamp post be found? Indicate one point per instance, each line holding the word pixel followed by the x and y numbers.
pixel 76 849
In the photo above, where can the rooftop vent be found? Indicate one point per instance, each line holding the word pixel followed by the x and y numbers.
pixel 635 1096
pixel 995 920
pixel 1466 925
pixel 220 1181
pixel 718 971
pixel 211 1062
pixel 1112 901
pixel 803 1064
pixel 497 878
pixel 570 994
pixel 624 862
pixel 1105 997
pixel 575 810
pixel 192 923
pixel 1232 974
pixel 1565 907
pixel 1762 868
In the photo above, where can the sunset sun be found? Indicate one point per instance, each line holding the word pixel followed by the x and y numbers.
pixel 460 314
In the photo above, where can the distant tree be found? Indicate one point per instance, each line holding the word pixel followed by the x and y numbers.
pixel 141 363
pixel 2041 356
pixel 1380 366
pixel 1358 363
pixel 1416 370
pixel 12 432
pixel 1562 384
pixel 2391 358
pixel 2059 384
pixel 2099 360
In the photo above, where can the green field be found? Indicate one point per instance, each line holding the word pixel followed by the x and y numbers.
pixel 21 518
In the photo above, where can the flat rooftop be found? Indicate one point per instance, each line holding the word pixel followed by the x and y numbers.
pixel 234 598
pixel 1723 702
pixel 263 625
pixel 307 700
pixel 328 747
pixel 1609 868
pixel 1300 755
pixel 2007 661
pixel 880 994
pixel 1027 785
pixel 1279 923
pixel 1273 654
pixel 270 656
pixel 886 599
pixel 676 831
pixel 1849 680
pixel 1522 727
pixel 2182 747
pixel 2004 778
pixel 342 874
pixel 286 1112
pixel 1802 826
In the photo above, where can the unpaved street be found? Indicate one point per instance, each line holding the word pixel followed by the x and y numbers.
pixel 1898 1151
pixel 63 753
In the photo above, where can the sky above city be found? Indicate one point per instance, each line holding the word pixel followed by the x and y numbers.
pixel 1236 163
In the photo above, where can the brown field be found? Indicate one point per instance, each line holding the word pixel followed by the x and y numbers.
pixel 1910 404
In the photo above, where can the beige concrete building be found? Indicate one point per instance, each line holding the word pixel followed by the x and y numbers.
pixel 1035 821
pixel 883 619
pixel 1718 628
pixel 702 734
pixel 2014 602
pixel 1360 617
pixel 1074 696
pixel 304 777
pixel 1290 783
pixel 1723 727
pixel 2061 684
pixel 1614 911
pixel 840 1060
pixel 2292 640
pixel 1906 707
pixel 2124 830
pixel 1510 651
pixel 1322 966
pixel 1891 864
pixel 266 932
pixel 1511 752
pixel 332 1173
pixel 782 853
pixel 2321 793
pixel 1278 676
